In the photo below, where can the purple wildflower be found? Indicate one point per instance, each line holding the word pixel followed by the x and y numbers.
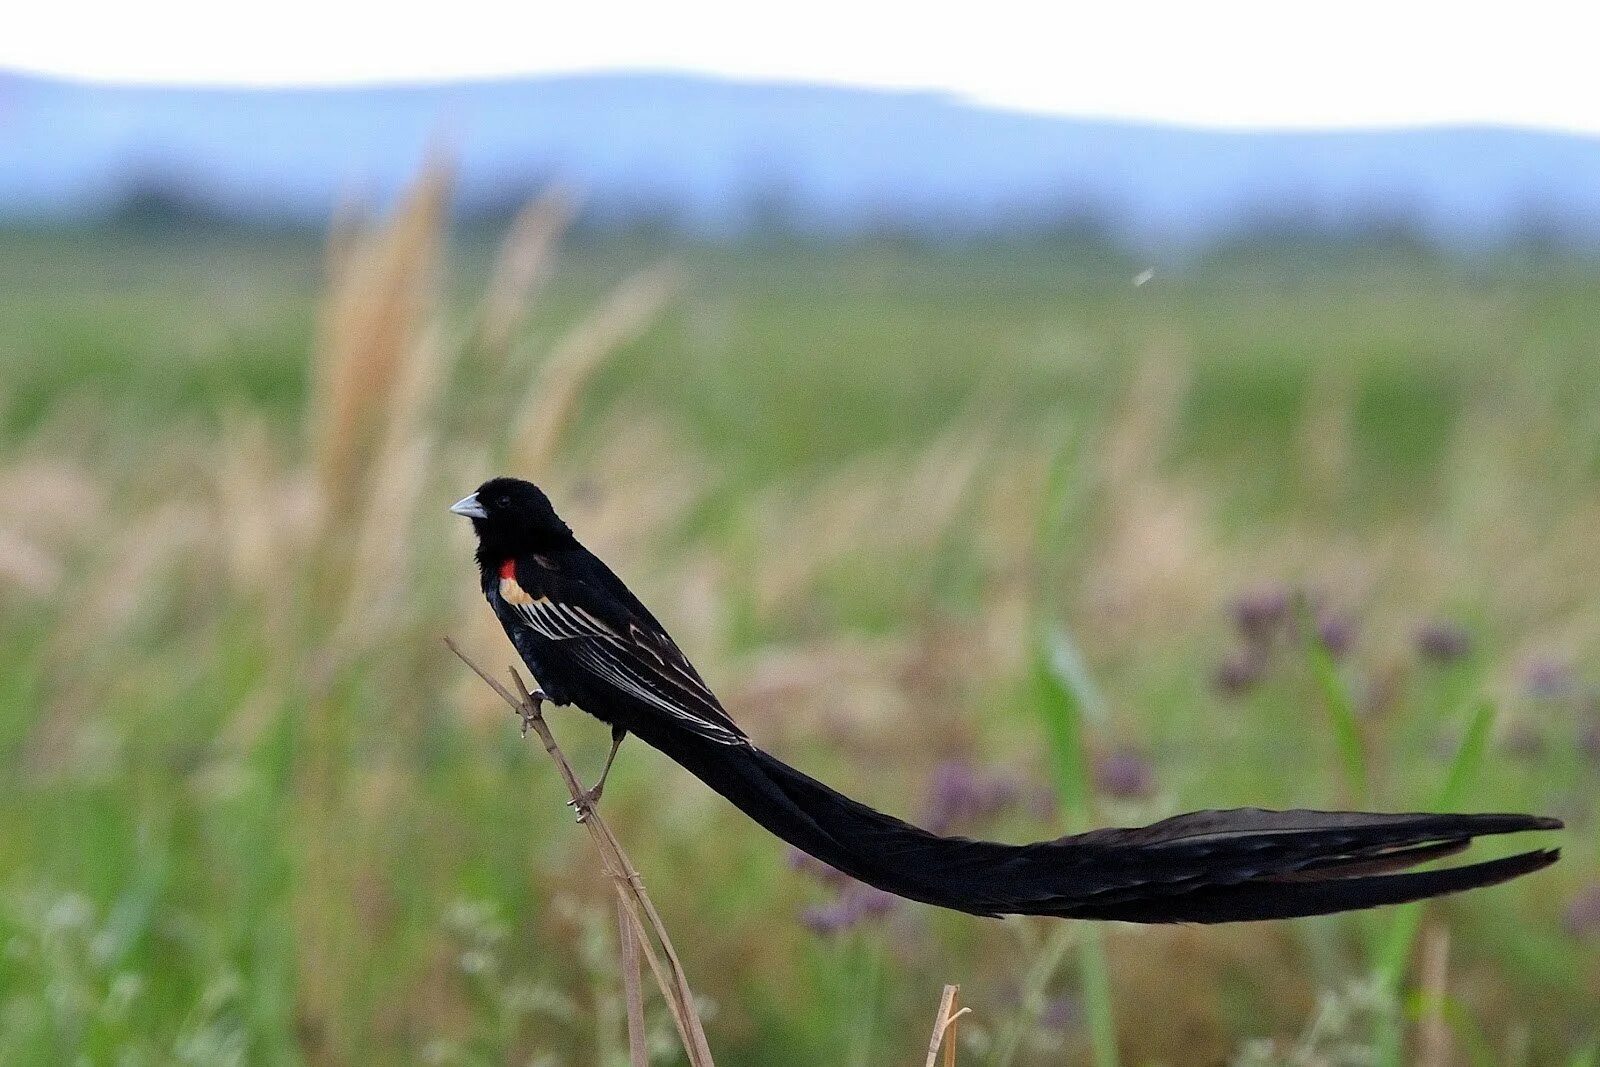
pixel 1589 736
pixel 1442 642
pixel 1582 917
pixel 825 920
pixel 1524 741
pixel 1041 802
pixel 1124 773
pixel 1261 614
pixel 1061 1013
pixel 855 905
pixel 1337 634
pixel 960 793
pixel 1240 672
pixel 1380 694
pixel 1547 679
pixel 822 872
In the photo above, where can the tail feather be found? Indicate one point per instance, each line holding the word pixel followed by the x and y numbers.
pixel 1209 866
pixel 1383 863
pixel 1254 901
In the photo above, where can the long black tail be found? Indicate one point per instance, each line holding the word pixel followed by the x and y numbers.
pixel 1205 867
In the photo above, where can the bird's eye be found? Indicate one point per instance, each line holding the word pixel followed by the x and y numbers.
pixel 503 502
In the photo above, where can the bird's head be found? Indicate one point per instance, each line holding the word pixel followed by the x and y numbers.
pixel 512 517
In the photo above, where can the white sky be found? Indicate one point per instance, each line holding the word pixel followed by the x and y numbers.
pixel 1206 62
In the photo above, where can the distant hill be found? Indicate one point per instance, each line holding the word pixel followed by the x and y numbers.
pixel 717 155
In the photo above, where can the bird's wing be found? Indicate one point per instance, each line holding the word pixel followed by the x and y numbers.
pixel 632 655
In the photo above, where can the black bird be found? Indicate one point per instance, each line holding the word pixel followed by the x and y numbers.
pixel 589 641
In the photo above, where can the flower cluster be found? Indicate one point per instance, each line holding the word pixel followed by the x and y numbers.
pixel 1266 623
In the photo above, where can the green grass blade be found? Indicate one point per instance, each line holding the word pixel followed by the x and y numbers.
pixel 1469 757
pixel 1066 698
pixel 1341 708
pixel 1034 989
pixel 1059 517
pixel 1096 977
pixel 1463 768
pixel 1402 936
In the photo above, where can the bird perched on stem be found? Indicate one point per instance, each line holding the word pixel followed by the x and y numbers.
pixel 589 641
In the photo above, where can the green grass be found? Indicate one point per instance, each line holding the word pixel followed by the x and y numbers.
pixel 1069 704
pixel 854 482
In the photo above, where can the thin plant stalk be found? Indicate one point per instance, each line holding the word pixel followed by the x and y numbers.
pixel 1433 1039
pixel 632 897
pixel 944 1028
pixel 628 943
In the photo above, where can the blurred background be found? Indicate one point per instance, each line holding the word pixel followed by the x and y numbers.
pixel 1013 470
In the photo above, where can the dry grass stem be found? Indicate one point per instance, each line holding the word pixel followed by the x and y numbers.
pixel 1433 1034
pixel 631 895
pixel 369 346
pixel 638 1052
pixel 552 401
pixel 524 263
pixel 944 1028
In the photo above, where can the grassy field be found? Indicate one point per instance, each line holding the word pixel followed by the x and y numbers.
pixel 258 814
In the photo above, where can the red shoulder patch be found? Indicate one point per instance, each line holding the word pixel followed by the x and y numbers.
pixel 508 570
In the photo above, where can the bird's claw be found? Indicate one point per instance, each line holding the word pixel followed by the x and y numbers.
pixel 585 802
pixel 530 709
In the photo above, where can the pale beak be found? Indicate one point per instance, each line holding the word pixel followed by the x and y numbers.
pixel 469 506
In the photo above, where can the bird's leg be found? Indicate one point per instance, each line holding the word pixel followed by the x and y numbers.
pixel 617 735
pixel 591 797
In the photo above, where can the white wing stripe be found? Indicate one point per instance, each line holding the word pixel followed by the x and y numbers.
pixel 535 618
pixel 602 661
pixel 590 623
pixel 596 645
pixel 563 622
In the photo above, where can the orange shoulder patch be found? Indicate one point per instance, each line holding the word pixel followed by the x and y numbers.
pixel 510 591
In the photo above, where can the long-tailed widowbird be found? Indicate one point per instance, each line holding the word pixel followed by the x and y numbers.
pixel 590 642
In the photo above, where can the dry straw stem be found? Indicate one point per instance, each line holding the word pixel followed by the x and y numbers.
pixel 638 1053
pixel 368 350
pixel 526 258
pixel 553 399
pixel 944 1028
pixel 1433 1036
pixel 631 896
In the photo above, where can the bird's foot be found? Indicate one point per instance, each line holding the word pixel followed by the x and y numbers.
pixel 530 709
pixel 585 802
